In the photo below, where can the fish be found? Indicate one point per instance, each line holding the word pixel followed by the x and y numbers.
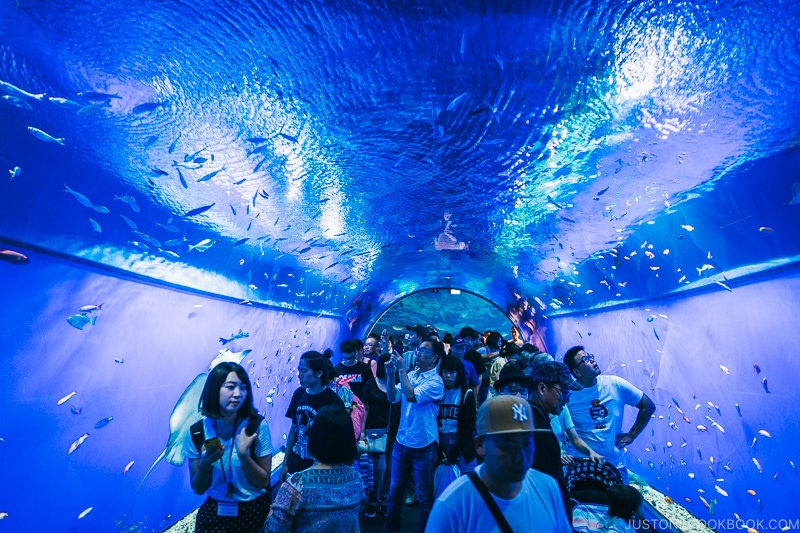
pixel 169 253
pixel 704 268
pixel 78 321
pixel 85 512
pixel 13 257
pixel 752 444
pixel 290 138
pixel 199 210
pixel 65 103
pixel 724 369
pixel 766 229
pixel 775 477
pixel 168 227
pixel 174 144
pixel 257 140
pixel 77 444
pixel 210 175
pixel 724 286
pixel 17 102
pixel 719 427
pixel 101 209
pixel 758 465
pixel 687 227
pixel 95 225
pixel 203 245
pixel 44 136
pixel 234 336
pixel 764 433
pixel 158 172
pixel 699 454
pixel 147 107
pixel 103 423
pixel 13 90
pixel 119 360
pixel 91 308
pixel 66 398
pixel 191 157
pixel 656 334
pixel 701 427
pixel 182 180
pixel 94 95
pixel 127 468
pixel 454 102
pixel 751 492
pixel 720 490
pixel 756 369
pixel 764 384
pixel 738 409
pixel 78 196
pixel 91 109
pixel 241 241
pixel 794 467
pixel 174 242
pixel 15 172
pixel 240 181
pixel 75 410
pixel 187 165
pixel 131 224
pixel 727 467
pixel 669 500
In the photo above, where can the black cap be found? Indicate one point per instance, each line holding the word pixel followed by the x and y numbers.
pixel 421 331
pixel 510 372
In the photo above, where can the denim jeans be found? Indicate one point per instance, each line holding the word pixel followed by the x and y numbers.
pixel 382 471
pixel 407 461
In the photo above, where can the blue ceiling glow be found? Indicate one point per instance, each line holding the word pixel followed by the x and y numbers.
pixel 342 150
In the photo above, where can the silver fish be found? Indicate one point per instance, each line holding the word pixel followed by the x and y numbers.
pixel 203 245
pixel 95 225
pixel 190 165
pixel 65 103
pixel 79 320
pixel 15 172
pixel 13 90
pixel 101 209
pixel 91 109
pixel 78 196
pixel 17 102
pixel 131 224
pixel 46 137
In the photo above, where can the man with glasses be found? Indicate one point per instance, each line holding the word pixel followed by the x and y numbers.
pixel 414 337
pixel 418 393
pixel 598 407
pixel 549 392
pixel 512 381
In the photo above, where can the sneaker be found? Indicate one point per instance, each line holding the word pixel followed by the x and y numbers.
pixel 370 510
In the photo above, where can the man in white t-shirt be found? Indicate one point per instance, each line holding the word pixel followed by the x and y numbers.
pixel 597 408
pixel 529 500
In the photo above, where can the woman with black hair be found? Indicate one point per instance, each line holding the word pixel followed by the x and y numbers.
pixel 228 461
pixel 314 372
pixel 327 496
pixel 457 416
pixel 377 416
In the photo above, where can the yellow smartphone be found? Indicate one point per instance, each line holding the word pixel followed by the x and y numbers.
pixel 211 445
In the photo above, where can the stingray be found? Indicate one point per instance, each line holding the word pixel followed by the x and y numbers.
pixel 186 413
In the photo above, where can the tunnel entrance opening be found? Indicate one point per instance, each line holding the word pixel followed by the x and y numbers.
pixel 445 309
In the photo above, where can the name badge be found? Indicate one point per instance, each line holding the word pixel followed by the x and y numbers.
pixel 227 509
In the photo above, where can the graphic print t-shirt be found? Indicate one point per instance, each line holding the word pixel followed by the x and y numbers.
pixel 356 376
pixel 302 410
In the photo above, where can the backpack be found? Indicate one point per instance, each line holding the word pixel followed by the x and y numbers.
pixel 199 435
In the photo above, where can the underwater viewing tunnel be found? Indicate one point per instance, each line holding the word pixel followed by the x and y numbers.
pixel 188 180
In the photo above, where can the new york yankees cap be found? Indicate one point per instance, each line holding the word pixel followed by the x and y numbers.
pixel 504 414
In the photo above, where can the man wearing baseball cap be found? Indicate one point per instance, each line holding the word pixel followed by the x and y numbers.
pixel 549 392
pixel 504 487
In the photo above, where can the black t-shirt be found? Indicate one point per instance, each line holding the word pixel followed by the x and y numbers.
pixel 378 403
pixel 302 410
pixel 547 454
pixel 474 357
pixel 359 373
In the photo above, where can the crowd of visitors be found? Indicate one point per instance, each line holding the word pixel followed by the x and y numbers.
pixel 477 431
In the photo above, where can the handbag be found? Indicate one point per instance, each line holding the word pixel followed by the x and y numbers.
pixel 375 439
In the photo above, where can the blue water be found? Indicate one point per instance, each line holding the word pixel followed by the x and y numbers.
pixel 583 166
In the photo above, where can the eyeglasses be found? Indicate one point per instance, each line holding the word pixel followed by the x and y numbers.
pixel 564 395
pixel 423 351
pixel 585 359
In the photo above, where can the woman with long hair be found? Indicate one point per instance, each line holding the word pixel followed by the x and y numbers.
pixel 314 372
pixel 457 416
pixel 230 455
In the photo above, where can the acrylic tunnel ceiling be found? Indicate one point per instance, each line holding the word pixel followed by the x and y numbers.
pixel 553 156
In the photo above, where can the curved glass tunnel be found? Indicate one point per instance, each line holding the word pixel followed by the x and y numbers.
pixel 620 175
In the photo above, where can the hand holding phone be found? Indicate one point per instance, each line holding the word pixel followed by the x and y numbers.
pixel 212 445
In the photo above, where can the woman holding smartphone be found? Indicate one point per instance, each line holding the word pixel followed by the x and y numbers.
pixel 230 455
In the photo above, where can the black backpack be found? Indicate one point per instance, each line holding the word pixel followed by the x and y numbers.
pixel 199 435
